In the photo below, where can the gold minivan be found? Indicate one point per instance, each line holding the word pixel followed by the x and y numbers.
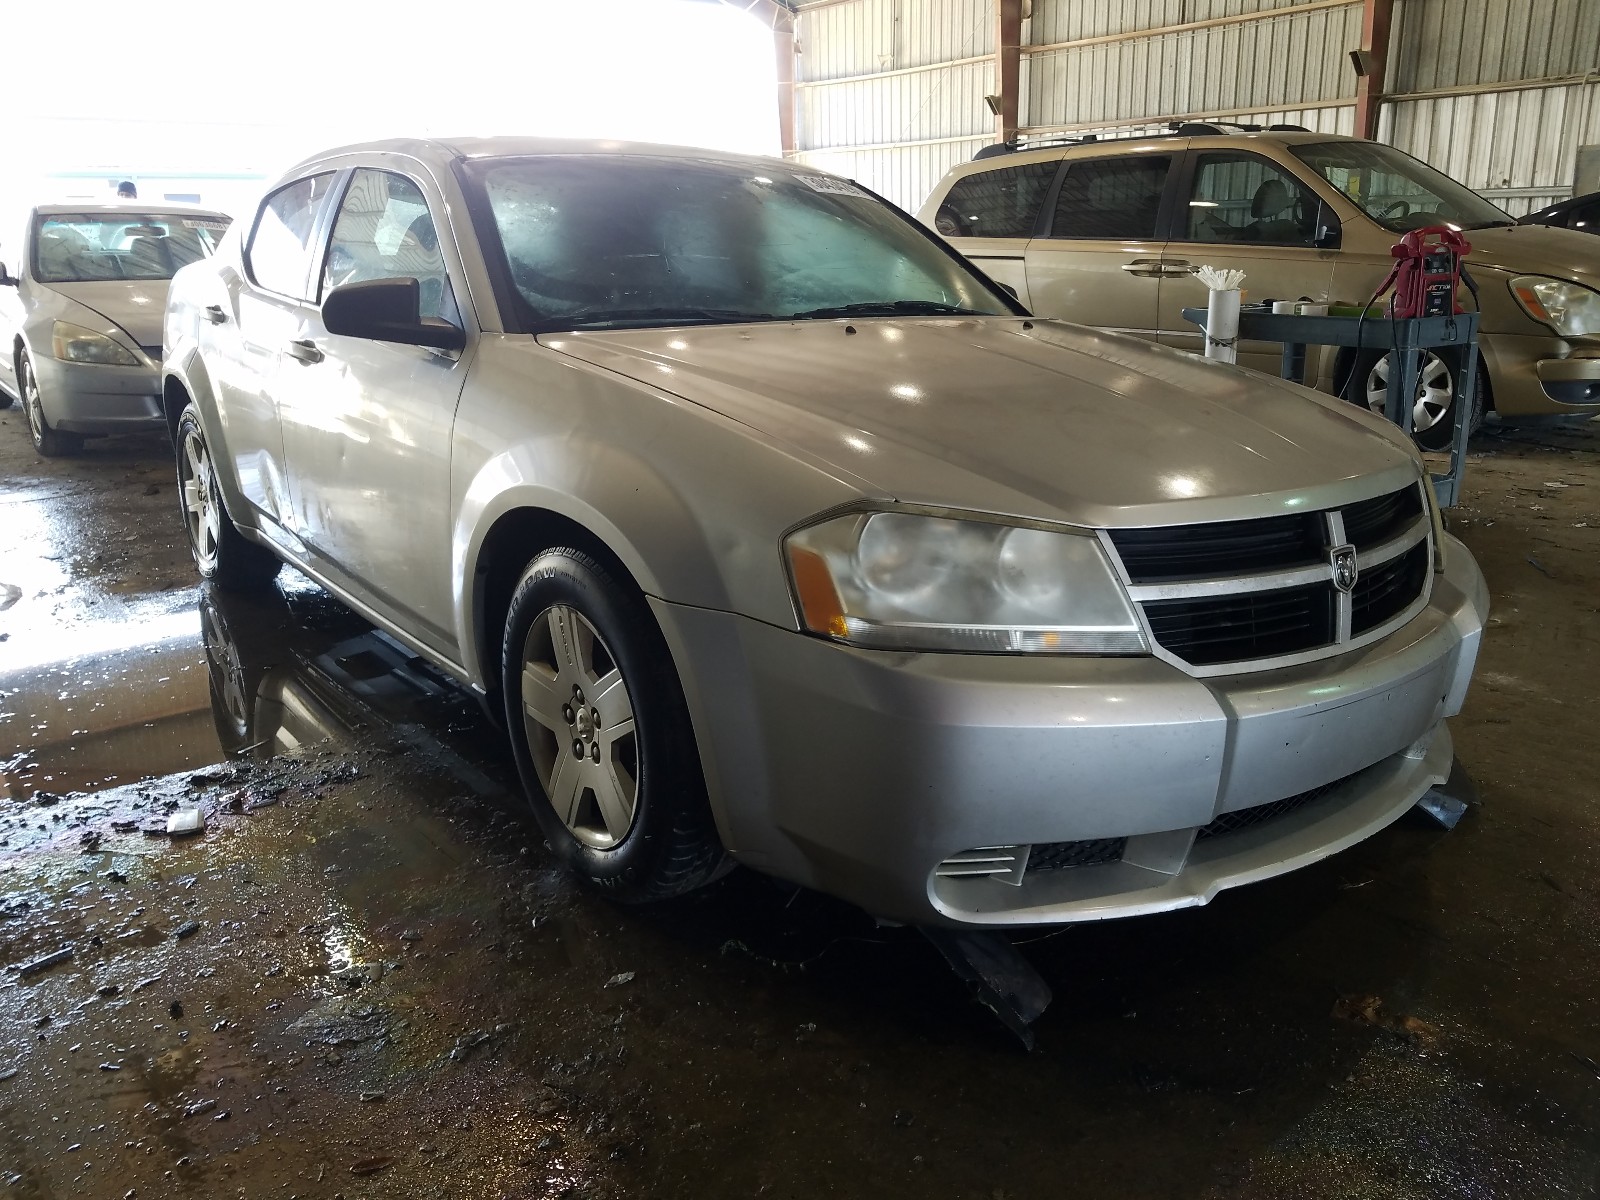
pixel 1110 233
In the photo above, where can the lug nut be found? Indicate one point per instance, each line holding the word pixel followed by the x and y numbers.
pixel 566 711
pixel 577 747
pixel 594 751
pixel 594 715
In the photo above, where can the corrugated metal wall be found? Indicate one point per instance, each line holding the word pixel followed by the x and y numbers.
pixel 1515 100
pixel 1287 60
pixel 905 126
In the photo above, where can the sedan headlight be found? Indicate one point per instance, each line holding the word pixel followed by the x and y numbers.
pixel 74 343
pixel 908 581
pixel 1571 309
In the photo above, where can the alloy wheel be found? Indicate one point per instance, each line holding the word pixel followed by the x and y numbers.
pixel 32 404
pixel 202 507
pixel 1435 391
pixel 580 726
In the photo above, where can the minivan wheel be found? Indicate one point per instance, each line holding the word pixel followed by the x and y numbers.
pixel 221 553
pixel 601 734
pixel 48 441
pixel 1433 406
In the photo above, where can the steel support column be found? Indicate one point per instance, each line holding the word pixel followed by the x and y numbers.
pixel 1007 67
pixel 1376 17
pixel 784 44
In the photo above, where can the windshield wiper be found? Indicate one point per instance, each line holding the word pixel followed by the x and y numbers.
pixel 892 308
pixel 1492 225
pixel 632 318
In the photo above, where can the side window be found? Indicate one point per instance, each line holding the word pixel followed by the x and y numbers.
pixel 279 254
pixel 1585 217
pixel 1242 198
pixel 1111 198
pixel 996 204
pixel 384 231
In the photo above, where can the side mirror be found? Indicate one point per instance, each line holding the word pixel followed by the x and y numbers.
pixel 387 310
pixel 6 279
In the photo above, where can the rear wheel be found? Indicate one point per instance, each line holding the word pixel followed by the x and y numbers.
pixel 48 441
pixel 221 553
pixel 601 734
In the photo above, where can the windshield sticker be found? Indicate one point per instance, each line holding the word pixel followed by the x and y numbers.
pixel 831 185
pixel 188 224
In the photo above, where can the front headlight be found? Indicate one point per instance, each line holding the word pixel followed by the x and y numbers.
pixel 74 343
pixel 1571 309
pixel 908 581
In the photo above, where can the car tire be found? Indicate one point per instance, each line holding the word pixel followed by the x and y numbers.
pixel 48 441
pixel 1366 385
pixel 222 554
pixel 585 671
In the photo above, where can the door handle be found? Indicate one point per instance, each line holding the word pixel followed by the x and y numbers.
pixel 305 350
pixel 1145 268
pixel 1172 267
pixel 214 314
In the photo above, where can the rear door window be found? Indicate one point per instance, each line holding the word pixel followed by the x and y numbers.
pixel 1245 198
pixel 1002 203
pixel 279 255
pixel 1111 198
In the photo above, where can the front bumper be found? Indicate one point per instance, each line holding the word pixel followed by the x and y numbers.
pixel 94 399
pixel 1543 375
pixel 860 772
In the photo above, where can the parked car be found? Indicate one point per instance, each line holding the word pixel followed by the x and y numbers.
pixel 1581 213
pixel 1109 233
pixel 80 315
pixel 775 532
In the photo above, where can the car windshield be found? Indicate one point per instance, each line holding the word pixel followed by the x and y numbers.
pixel 591 241
pixel 84 247
pixel 1397 191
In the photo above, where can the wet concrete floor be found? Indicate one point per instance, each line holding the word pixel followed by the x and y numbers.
pixel 366 979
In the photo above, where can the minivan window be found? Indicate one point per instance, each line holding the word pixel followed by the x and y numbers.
pixel 1397 191
pixel 384 231
pixel 600 241
pixel 1244 198
pixel 279 256
pixel 1111 198
pixel 996 204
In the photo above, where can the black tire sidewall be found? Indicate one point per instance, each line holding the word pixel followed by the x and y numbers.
pixel 670 782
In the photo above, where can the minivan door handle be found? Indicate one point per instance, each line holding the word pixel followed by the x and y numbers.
pixel 1144 268
pixel 305 350
pixel 214 314
pixel 1172 267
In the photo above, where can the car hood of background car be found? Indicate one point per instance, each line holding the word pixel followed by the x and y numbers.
pixel 1537 250
pixel 135 305
pixel 1031 418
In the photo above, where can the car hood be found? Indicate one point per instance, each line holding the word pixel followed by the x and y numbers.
pixel 1029 418
pixel 135 305
pixel 1537 250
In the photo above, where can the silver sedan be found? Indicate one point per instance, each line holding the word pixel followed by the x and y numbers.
pixel 81 311
pixel 773 532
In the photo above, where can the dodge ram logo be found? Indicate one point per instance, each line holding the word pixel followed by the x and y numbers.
pixel 1345 568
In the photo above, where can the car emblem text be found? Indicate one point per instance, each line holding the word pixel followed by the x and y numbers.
pixel 1345 568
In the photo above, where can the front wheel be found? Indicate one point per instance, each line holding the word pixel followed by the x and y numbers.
pixel 601 734
pixel 47 440
pixel 1433 406
pixel 222 554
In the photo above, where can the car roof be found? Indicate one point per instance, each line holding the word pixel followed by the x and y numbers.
pixel 135 209
pixel 447 149
pixel 1046 151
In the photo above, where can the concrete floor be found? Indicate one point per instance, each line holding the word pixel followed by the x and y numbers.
pixel 366 978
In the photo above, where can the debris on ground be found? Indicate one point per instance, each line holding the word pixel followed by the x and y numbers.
pixel 620 978
pixel 187 930
pixel 185 821
pixel 371 1166
pixel 54 959
pixel 1370 1010
pixel 466 1044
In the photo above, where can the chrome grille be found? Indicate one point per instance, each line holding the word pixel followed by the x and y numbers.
pixel 1231 595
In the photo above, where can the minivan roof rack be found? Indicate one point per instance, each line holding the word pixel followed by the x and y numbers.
pixel 1174 129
